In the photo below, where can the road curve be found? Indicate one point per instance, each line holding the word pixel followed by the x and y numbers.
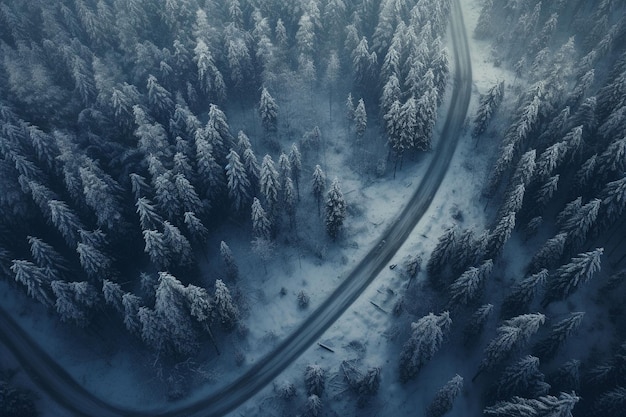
pixel 55 381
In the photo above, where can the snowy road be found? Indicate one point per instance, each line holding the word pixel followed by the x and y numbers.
pixel 59 385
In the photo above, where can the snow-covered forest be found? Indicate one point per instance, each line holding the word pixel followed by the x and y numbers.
pixel 186 184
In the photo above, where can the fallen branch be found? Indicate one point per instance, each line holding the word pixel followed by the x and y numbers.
pixel 378 307
pixel 325 347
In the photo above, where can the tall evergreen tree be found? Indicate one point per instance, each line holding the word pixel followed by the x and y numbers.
pixel 268 110
pixel 470 285
pixel 522 379
pixel 548 347
pixel 238 183
pixel 319 186
pixel 335 212
pixel 569 277
pixel 522 294
pixel 444 399
pixel 427 335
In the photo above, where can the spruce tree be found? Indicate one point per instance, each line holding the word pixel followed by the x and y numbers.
pixel 547 405
pixel 499 236
pixel 319 186
pixel 238 183
pixel 476 323
pixel 547 348
pixel 444 399
pixel 224 308
pixel 335 212
pixel 569 277
pixel 427 335
pixel 261 225
pixel 470 285
pixel 522 294
pixel 314 378
pixel 522 379
pixel 268 110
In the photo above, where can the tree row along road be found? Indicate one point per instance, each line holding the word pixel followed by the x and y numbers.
pixel 57 383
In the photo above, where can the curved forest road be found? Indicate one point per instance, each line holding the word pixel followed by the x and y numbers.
pixel 56 382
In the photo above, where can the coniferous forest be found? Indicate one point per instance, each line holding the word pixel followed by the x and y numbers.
pixel 194 182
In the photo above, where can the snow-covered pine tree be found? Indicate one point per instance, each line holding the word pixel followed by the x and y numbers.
pixel 549 160
pixel 500 235
pixel 295 159
pixel 35 279
pixel 268 110
pixel 524 169
pixel 549 255
pixel 313 406
pixel 284 168
pixel 232 270
pixel 476 323
pixel 444 398
pixel 488 105
pixel 238 183
pixel 391 93
pixel 522 379
pixel 72 300
pixel 570 210
pixel 363 62
pixel 179 248
pixel 223 307
pixel 469 287
pixel 569 277
pixel 581 223
pixel 547 405
pixel 289 200
pixel 194 226
pixel 112 292
pixel 253 169
pixel 94 262
pixel 319 186
pixel 349 109
pixel 187 195
pixel 156 248
pixel 65 220
pixel 503 163
pixel 148 216
pixel 522 294
pixel 315 380
pixel 360 119
pixel 512 333
pixel 335 212
pixel 261 225
pixel 270 185
pixel 427 335
pixel 512 200
pixel 547 348
pixel 547 190
pixel 131 304
pixel 443 252
pixel 167 196
pixel 613 200
pixel 45 255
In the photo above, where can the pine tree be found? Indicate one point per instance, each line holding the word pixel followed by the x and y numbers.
pixel 261 225
pixel 470 285
pixel 94 262
pixel 112 292
pixel 269 184
pixel 156 247
pixel 35 279
pixel 487 107
pixel 614 200
pixel 426 338
pixel 268 110
pixel 148 216
pixel 512 201
pixel 194 226
pixel 131 304
pixel 547 348
pixel 569 277
pixel 503 163
pixel 444 399
pixel 335 212
pixel 252 166
pixel 476 323
pixel 65 220
pixel 314 379
pixel 512 333
pixel 72 300
pixel 548 406
pixel 522 294
pixel 580 223
pixel 180 252
pixel 159 98
pixel 44 255
pixel 547 190
pixel 567 376
pixel 360 119
pixel 313 406
pixel 319 186
pixel 522 379
pixel 295 160
pixel 224 309
pixel 187 194
pixel 549 254
pixel 167 196
pixel 525 169
pixel 238 183
pixel 349 109
pixel 500 235
pixel 232 270
pixel 284 168
pixel 443 252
